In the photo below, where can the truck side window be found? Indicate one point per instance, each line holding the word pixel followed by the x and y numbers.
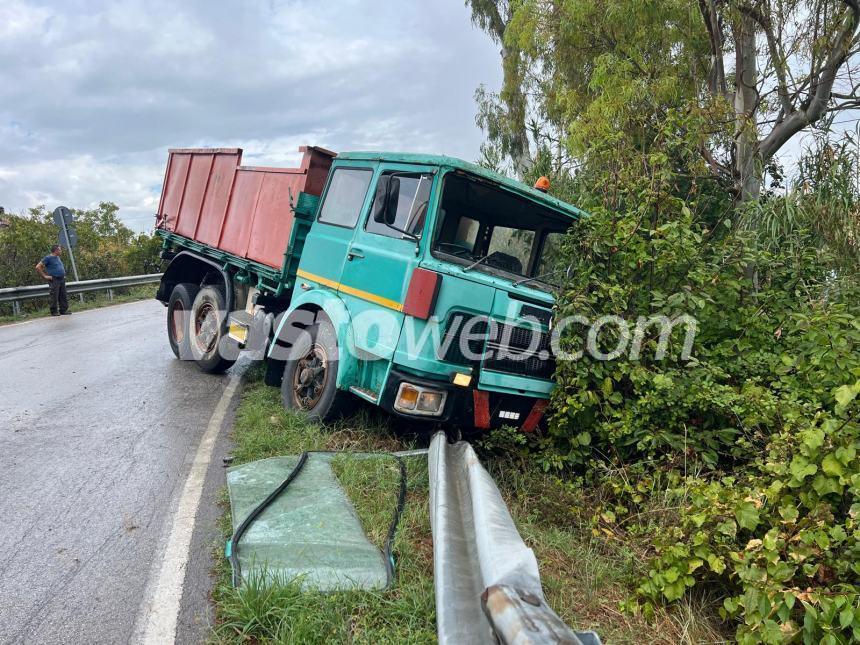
pixel 345 196
pixel 412 202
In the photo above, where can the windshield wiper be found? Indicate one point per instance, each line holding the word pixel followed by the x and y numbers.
pixel 476 263
pixel 536 278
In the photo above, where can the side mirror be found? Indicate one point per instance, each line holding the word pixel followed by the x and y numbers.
pixel 381 199
pixel 386 200
pixel 392 201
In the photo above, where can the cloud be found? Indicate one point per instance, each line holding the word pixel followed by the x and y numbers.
pixel 93 93
pixel 18 20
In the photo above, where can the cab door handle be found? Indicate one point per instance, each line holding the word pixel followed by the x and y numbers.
pixel 354 253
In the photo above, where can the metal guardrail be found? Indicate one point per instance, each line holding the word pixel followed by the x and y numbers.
pixel 488 587
pixel 16 294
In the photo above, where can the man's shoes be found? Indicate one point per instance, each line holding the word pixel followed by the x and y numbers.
pixel 65 313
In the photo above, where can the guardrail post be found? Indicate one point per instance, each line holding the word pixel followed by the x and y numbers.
pixel 110 294
pixel 16 307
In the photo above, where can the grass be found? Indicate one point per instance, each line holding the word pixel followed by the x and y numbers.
pixel 586 577
pixel 92 300
pixel 403 613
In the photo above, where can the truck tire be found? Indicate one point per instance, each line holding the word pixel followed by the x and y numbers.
pixel 310 376
pixel 178 314
pixel 207 329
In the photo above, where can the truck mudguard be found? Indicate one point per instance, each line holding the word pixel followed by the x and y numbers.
pixel 184 267
pixel 333 307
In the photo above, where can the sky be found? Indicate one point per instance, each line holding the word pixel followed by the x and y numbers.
pixel 93 93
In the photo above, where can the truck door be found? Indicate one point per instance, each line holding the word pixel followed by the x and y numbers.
pixel 380 260
pixel 329 239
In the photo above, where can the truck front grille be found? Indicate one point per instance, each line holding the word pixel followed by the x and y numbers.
pixel 508 348
pixel 454 343
pixel 516 350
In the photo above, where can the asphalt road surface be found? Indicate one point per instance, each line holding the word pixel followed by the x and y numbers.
pixel 98 426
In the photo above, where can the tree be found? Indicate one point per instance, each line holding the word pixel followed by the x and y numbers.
pixel 504 117
pixel 786 83
pixel 753 73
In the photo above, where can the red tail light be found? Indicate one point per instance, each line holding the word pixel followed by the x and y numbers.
pixel 422 292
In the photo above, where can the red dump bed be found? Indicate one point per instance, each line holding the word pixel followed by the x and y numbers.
pixel 209 197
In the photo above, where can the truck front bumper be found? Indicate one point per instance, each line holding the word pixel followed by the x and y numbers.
pixel 468 407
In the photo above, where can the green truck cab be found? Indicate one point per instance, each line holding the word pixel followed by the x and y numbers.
pixel 421 284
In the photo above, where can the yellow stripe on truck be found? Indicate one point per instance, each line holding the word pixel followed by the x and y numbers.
pixel 358 293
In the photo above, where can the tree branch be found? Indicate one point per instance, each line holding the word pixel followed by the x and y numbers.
pixel 776 56
pixel 848 105
pixel 852 95
pixel 816 106
pixel 486 15
pixel 715 35
pixel 716 167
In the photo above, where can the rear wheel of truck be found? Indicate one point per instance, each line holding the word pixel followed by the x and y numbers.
pixel 178 314
pixel 207 330
pixel 310 376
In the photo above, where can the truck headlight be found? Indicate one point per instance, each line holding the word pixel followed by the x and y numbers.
pixel 418 400
pixel 431 402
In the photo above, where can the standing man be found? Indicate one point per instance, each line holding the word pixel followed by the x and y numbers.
pixel 51 268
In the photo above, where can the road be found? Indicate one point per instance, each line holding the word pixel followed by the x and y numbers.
pixel 99 424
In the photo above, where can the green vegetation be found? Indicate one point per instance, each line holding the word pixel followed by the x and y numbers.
pixel 106 248
pixel 586 576
pixel 756 73
pixel 735 474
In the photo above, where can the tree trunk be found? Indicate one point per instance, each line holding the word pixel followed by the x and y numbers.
pixel 748 167
pixel 515 102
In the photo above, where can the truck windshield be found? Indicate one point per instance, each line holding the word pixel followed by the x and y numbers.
pixel 489 229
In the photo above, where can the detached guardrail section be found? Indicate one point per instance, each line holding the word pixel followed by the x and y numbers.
pixel 486 578
pixel 16 294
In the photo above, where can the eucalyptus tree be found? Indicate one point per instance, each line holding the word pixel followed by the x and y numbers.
pixel 504 117
pixel 751 74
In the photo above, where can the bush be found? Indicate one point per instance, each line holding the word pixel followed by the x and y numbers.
pixel 752 442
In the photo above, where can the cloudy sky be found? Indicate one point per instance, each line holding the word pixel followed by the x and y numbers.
pixel 92 93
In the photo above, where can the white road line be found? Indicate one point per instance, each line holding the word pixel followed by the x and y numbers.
pixel 159 614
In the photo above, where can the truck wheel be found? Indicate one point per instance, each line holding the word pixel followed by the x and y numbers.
pixel 207 329
pixel 310 376
pixel 178 314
